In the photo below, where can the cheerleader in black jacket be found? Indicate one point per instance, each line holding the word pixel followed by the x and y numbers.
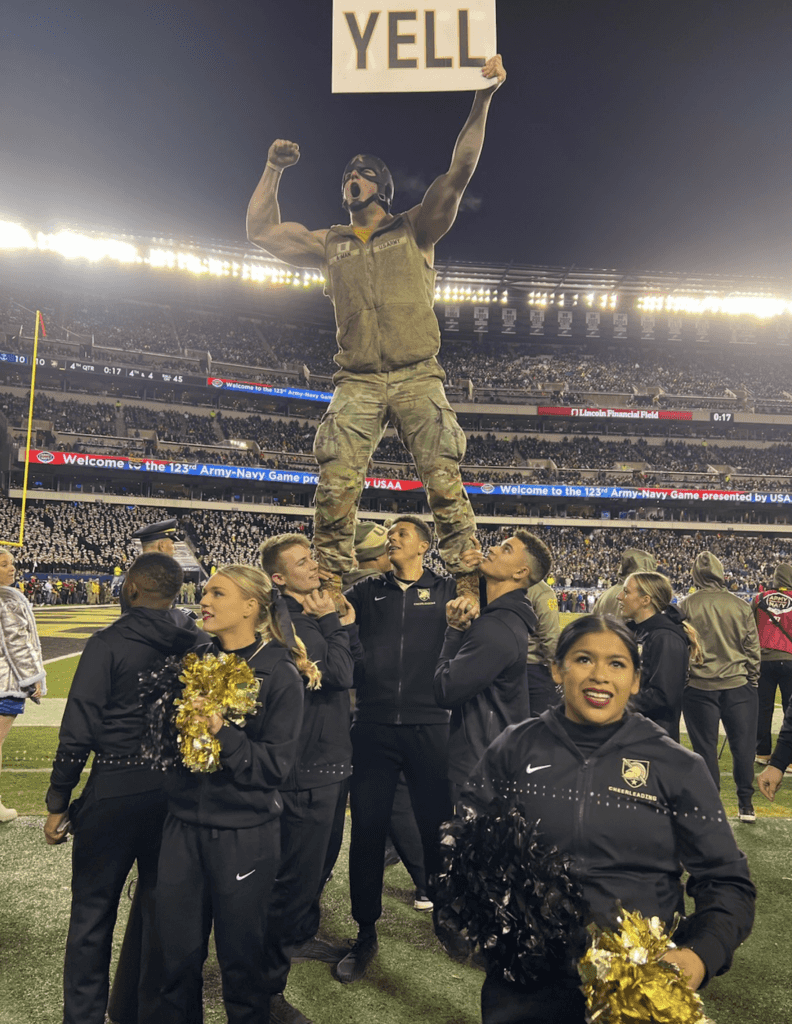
pixel 221 840
pixel 668 644
pixel 631 807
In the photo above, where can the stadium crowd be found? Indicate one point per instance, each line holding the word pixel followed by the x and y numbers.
pixel 145 332
pixel 63 537
pixel 171 425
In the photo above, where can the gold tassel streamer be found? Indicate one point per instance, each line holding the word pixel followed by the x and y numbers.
pixel 217 684
pixel 625 982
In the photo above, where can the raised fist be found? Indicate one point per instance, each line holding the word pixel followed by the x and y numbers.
pixel 283 153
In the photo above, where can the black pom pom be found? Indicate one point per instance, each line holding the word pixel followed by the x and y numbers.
pixel 500 889
pixel 160 688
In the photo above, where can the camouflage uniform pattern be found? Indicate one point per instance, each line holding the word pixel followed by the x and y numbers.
pixel 413 400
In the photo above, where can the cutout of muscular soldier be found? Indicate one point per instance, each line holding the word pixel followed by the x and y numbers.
pixel 380 278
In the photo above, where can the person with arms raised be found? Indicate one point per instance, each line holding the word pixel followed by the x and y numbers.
pixel 380 277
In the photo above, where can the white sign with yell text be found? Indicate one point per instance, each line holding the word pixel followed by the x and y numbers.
pixel 412 46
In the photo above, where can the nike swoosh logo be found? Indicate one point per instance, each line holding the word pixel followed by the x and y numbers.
pixel 538 768
pixel 380 598
pixel 241 877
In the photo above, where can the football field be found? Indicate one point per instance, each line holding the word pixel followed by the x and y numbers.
pixel 410 982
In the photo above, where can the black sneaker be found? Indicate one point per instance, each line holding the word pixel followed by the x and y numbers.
pixel 391 857
pixel 318 949
pixel 282 1012
pixel 353 966
pixel 747 813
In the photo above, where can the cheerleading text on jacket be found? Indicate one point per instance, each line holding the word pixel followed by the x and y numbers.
pixel 411 46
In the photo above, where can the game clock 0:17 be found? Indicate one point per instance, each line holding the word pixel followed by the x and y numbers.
pixel 721 417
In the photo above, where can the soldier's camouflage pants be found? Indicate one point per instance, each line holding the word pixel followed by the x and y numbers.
pixel 413 400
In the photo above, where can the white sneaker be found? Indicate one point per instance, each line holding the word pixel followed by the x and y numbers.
pixel 7 813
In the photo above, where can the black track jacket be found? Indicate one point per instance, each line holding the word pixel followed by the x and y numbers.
pixel 255 758
pixel 103 711
pixel 481 677
pixel 665 656
pixel 632 816
pixel 325 751
pixel 402 636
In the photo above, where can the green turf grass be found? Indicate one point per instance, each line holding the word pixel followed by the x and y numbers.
pixel 60 675
pixel 411 981
pixel 27 748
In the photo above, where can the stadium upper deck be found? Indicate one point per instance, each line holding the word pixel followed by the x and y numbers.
pixel 597 353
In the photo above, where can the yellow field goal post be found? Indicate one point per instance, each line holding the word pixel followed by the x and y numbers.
pixel 18 543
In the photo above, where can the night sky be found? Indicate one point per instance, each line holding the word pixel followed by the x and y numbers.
pixel 634 135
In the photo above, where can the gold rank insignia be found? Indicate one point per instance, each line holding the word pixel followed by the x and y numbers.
pixel 635 773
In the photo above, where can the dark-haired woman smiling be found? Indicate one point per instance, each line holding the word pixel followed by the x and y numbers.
pixel 631 807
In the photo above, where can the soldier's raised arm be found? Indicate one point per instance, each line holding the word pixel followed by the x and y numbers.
pixel 438 210
pixel 291 242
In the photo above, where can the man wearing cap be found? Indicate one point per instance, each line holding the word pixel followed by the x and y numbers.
pixel 371 551
pixel 159 536
pixel 380 278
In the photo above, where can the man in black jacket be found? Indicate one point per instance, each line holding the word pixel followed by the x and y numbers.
pixel 324 760
pixel 118 819
pixel 397 724
pixel 481 674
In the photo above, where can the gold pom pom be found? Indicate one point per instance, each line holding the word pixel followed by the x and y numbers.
pixel 626 982
pixel 217 684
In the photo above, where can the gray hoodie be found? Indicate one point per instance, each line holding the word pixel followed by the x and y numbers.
pixel 633 560
pixel 726 628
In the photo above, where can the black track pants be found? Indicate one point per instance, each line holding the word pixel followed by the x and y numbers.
pixel 379 753
pixel 225 877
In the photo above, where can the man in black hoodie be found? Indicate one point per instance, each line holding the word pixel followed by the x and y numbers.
pixel 324 760
pixel 118 819
pixel 481 675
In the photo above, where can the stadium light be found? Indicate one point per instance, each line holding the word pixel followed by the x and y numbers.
pixel 761 306
pixel 159 254
pixel 75 246
pixel 14 236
